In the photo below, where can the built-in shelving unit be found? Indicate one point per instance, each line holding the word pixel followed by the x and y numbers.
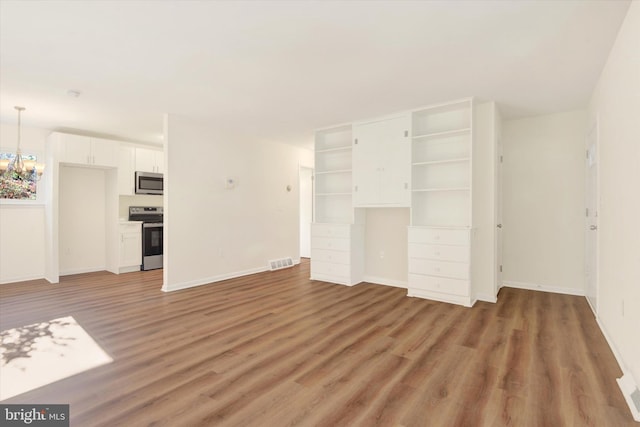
pixel 333 176
pixel 441 176
pixel 441 165
pixel 421 159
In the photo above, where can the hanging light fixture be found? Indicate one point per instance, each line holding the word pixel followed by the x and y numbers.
pixel 18 168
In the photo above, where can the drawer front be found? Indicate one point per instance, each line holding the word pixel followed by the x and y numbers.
pixel 330 243
pixel 439 284
pixel 330 269
pixel 130 228
pixel 337 257
pixel 439 252
pixel 439 236
pixel 455 270
pixel 331 230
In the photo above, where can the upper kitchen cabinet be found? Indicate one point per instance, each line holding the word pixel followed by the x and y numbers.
pixel 126 182
pixel 149 160
pixel 86 151
pixel 381 163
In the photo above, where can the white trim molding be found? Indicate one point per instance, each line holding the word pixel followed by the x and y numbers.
pixel 543 288
pixel 386 282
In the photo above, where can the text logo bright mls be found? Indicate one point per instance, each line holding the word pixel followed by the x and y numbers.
pixel 34 415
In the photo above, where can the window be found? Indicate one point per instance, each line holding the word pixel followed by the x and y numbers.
pixel 14 187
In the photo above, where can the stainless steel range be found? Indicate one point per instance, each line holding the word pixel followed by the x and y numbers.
pixel 152 227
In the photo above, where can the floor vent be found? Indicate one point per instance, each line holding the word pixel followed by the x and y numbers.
pixel 279 264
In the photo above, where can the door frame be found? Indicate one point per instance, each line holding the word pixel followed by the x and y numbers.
pixel 592 188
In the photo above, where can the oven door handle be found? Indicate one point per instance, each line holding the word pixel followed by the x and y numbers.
pixel 151 224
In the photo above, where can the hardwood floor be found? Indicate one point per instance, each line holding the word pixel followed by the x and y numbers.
pixel 276 349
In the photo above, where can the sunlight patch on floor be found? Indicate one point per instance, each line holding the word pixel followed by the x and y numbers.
pixel 35 355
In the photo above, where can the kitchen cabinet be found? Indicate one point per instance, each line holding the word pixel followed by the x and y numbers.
pixel 126 170
pixel 87 151
pixel 149 160
pixel 130 252
pixel 381 163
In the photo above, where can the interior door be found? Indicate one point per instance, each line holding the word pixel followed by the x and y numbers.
pixel 498 210
pixel 591 223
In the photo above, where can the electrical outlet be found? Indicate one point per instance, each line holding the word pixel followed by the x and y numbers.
pixel 381 254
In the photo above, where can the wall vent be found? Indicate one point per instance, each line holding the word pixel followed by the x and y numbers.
pixel 279 264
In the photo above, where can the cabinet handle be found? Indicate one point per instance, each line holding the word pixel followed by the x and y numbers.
pixel 355 141
pixel 406 185
pixel 356 188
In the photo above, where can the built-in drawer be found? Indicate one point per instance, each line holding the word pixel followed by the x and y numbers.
pixel 330 269
pixel 135 227
pixel 439 284
pixel 330 243
pixel 439 252
pixel 439 236
pixel 325 255
pixel 331 230
pixel 456 270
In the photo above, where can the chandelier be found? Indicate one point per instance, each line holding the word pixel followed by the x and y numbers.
pixel 18 167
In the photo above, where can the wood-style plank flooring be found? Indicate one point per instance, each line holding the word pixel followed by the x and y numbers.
pixel 276 349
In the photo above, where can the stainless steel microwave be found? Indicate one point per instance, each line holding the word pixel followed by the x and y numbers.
pixel 149 183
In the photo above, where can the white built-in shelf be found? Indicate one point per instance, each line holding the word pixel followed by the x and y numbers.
pixel 440 162
pixel 427 190
pixel 333 171
pixel 443 135
pixel 332 150
pixel 332 194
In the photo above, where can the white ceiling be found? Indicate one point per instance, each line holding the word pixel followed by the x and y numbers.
pixel 276 70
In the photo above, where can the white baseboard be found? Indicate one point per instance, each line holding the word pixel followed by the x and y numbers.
pixel 212 279
pixel 629 391
pixel 487 298
pixel 82 270
pixel 625 382
pixel 384 281
pixel 543 288
pixel 20 279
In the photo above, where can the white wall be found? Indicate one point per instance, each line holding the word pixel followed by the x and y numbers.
pixel 22 226
pixel 82 232
pixel 616 101
pixel 484 207
pixel 211 232
pixel 543 202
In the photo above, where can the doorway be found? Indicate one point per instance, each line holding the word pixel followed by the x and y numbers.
pixel 591 213
pixel 306 210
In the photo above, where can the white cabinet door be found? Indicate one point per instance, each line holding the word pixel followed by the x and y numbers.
pixel 75 149
pixel 159 156
pixel 148 160
pixel 104 152
pixel 130 245
pixel 366 164
pixel 83 150
pixel 145 160
pixel 126 159
pixel 382 163
pixel 395 162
